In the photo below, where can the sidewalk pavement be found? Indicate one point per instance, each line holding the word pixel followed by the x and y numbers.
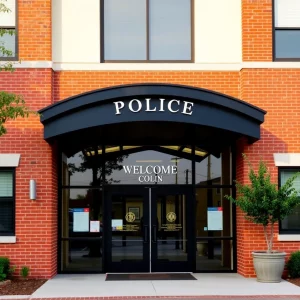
pixel 207 286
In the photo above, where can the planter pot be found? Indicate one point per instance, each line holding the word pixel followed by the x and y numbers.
pixel 268 266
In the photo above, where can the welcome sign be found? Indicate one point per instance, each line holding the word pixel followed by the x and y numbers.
pixel 150 174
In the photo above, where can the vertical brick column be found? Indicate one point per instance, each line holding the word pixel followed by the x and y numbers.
pixel 34 30
pixel 257 30
pixel 36 220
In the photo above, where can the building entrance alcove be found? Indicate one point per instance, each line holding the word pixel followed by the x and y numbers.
pixel 143 171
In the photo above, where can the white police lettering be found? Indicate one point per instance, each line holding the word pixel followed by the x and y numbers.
pixel 173 106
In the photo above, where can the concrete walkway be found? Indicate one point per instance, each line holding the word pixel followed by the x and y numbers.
pixel 207 285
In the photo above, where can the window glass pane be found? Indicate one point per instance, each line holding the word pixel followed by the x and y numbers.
pixel 9 42
pixel 6 184
pixel 209 171
pixel 286 174
pixel 125 30
pixel 291 222
pixel 170 29
pixel 77 170
pixel 166 165
pixel 81 228
pixel 75 200
pixel 6 217
pixel 287 43
pixel 213 221
pixel 287 13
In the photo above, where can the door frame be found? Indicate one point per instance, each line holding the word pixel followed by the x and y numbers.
pixel 175 266
pixel 118 267
pixel 149 248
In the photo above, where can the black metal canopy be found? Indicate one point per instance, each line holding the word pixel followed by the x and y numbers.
pixel 197 116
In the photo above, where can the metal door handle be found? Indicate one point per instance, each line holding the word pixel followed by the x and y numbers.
pixel 145 234
pixel 154 234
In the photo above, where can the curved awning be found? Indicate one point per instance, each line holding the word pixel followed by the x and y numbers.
pixel 129 106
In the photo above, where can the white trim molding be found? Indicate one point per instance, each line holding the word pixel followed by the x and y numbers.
pixel 173 66
pixel 43 64
pixel 146 67
pixel 288 237
pixel 287 159
pixel 97 66
pixel 9 160
pixel 8 239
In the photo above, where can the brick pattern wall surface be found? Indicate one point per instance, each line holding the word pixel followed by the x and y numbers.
pixel 257 30
pixel 274 90
pixel 36 221
pixel 69 83
pixel 34 29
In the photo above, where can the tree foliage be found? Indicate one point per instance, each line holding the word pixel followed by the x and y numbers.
pixel 95 164
pixel 11 106
pixel 262 202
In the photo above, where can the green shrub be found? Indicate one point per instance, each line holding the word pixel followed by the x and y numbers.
pixel 24 271
pixel 293 265
pixel 4 268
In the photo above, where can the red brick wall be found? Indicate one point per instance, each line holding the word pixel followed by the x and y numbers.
pixel 68 83
pixel 257 30
pixel 36 221
pixel 275 90
pixel 34 29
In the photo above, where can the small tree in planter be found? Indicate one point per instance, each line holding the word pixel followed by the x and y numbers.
pixel 265 204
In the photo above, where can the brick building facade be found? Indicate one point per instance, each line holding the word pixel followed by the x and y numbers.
pixel 49 72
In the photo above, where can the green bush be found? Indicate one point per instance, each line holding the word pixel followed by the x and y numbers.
pixel 4 268
pixel 293 265
pixel 24 271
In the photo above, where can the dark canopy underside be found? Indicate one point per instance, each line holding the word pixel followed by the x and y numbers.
pixel 91 119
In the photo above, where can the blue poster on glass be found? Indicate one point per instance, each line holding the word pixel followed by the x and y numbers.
pixel 214 218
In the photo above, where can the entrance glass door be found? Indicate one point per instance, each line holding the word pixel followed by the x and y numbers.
pixel 148 229
pixel 172 230
pixel 127 230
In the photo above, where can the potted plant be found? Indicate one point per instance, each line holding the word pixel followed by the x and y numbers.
pixel 265 204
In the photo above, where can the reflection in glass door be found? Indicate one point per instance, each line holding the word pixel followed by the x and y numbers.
pixel 172 229
pixel 150 229
pixel 128 236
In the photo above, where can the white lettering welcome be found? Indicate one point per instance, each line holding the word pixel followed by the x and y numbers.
pixel 141 170
pixel 173 106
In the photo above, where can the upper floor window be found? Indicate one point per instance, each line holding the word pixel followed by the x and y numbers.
pixel 7 202
pixel 291 224
pixel 287 29
pixel 8 38
pixel 147 30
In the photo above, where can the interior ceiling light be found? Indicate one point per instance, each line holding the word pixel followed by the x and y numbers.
pixel 110 149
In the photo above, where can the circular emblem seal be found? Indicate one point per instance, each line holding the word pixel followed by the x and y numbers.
pixel 171 216
pixel 130 217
